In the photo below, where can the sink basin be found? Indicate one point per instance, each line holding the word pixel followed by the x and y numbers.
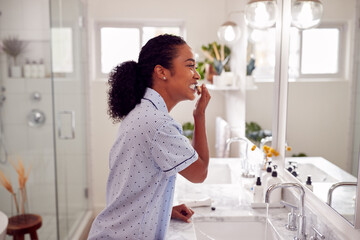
pixel 317 175
pixel 249 228
pixel 218 173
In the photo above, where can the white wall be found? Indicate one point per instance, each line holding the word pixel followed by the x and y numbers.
pixel 201 19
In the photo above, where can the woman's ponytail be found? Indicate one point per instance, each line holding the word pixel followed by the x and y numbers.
pixel 125 90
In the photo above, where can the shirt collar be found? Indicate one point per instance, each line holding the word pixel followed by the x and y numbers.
pixel 155 98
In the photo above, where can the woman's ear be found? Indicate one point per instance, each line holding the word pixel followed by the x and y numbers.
pixel 160 72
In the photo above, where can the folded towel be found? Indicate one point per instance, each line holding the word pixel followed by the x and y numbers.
pixel 205 202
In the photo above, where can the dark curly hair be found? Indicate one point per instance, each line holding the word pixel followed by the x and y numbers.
pixel 129 80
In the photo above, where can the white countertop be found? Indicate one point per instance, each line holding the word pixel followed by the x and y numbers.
pixel 229 200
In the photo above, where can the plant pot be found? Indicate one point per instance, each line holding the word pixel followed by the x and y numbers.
pixel 210 72
pixel 226 79
pixel 250 83
pixel 15 72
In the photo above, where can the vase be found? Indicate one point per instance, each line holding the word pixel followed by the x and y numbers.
pixel 23 201
pixel 14 200
pixel 226 79
pixel 210 72
pixel 15 72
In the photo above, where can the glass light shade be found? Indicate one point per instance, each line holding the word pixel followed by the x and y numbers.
pixel 260 14
pixel 255 35
pixel 229 32
pixel 306 13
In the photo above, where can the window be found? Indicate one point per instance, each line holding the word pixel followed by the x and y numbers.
pixel 314 53
pixel 320 51
pixel 118 45
pixel 119 42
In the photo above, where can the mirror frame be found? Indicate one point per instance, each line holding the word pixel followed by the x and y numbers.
pixel 280 112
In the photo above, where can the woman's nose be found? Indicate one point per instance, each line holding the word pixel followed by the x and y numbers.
pixel 197 75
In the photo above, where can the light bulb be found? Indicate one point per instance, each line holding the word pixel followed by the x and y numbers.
pixel 255 35
pixel 229 32
pixel 306 13
pixel 260 14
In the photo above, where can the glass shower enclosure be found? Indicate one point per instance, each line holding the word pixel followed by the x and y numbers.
pixel 43 115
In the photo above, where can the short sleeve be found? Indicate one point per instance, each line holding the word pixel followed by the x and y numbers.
pixel 172 151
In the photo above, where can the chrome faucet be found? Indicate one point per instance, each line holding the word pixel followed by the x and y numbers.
pixel 317 235
pixel 246 173
pixel 336 185
pixel 301 217
pixel 265 140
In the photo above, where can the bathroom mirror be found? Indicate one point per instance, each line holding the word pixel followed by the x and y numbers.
pixel 323 123
pixel 260 58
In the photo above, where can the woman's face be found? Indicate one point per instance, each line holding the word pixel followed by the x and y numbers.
pixel 183 75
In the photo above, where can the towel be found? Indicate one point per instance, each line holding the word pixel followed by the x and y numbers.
pixel 222 134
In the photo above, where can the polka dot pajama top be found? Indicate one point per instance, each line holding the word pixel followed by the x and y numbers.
pixel 150 149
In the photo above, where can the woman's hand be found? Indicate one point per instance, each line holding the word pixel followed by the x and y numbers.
pixel 182 212
pixel 202 102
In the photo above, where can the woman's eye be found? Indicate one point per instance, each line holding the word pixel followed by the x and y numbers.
pixel 191 66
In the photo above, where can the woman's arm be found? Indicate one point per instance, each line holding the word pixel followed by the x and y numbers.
pixel 197 171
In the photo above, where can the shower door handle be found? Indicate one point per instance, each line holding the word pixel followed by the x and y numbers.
pixel 66 130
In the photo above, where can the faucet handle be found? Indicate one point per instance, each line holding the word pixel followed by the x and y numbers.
pixel 317 235
pixel 293 207
pixel 291 225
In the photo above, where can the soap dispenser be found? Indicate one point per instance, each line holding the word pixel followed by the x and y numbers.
pixel 41 69
pixel 34 69
pixel 258 191
pixel 309 183
pixel 27 69
pixel 266 175
pixel 276 194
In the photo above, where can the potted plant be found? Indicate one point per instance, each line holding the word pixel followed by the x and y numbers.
pixel 12 46
pixel 23 176
pixel 249 70
pixel 188 130
pixel 217 59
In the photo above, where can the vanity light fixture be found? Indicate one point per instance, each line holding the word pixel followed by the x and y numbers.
pixel 229 32
pixel 260 14
pixel 306 14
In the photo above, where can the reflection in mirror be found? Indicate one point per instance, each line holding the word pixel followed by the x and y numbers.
pixel 259 84
pixel 323 106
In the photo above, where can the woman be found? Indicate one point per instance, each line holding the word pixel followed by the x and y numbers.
pixel 150 150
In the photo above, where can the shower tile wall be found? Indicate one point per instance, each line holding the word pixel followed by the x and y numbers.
pixel 29 21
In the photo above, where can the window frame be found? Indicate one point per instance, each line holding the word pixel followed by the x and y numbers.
pixel 130 24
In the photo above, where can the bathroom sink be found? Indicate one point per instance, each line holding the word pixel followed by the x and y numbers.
pixel 218 173
pixel 317 175
pixel 249 228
